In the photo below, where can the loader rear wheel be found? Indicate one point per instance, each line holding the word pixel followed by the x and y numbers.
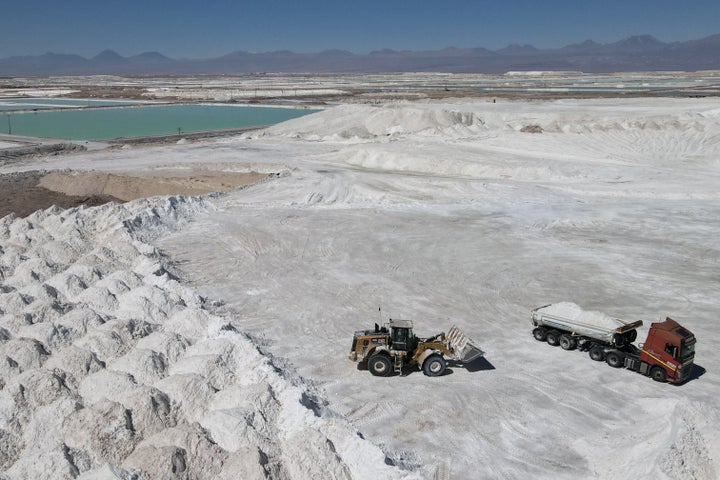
pixel 615 359
pixel 658 374
pixel 539 333
pixel 567 342
pixel 597 354
pixel 553 338
pixel 434 366
pixel 379 365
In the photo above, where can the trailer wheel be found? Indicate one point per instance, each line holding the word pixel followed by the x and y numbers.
pixel 379 365
pixel 539 333
pixel 597 354
pixel 434 366
pixel 553 338
pixel 567 342
pixel 658 374
pixel 615 359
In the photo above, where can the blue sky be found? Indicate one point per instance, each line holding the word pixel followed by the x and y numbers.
pixel 199 29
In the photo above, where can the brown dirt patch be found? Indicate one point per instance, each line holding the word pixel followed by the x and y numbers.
pixel 23 193
pixel 20 194
pixel 132 185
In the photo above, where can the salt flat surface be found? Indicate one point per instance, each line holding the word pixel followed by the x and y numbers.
pixel 441 213
pixel 9 144
pixel 113 369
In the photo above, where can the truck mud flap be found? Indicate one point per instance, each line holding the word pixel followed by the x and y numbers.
pixel 465 350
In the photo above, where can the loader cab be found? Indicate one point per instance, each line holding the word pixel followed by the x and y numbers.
pixel 402 336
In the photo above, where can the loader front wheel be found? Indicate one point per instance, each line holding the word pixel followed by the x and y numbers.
pixel 379 365
pixel 434 366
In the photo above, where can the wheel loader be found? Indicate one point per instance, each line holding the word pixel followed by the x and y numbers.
pixel 394 346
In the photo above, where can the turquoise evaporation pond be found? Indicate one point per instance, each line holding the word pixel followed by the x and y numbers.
pixel 141 121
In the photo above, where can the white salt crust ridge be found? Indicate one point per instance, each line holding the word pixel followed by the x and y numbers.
pixel 111 369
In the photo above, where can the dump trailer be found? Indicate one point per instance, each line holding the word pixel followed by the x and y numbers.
pixel 666 355
pixel 394 346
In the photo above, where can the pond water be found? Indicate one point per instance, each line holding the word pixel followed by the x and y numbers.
pixel 140 121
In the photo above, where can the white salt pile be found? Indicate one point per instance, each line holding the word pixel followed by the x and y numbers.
pixel 110 368
pixel 589 317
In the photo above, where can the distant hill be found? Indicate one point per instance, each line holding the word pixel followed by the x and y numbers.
pixel 636 53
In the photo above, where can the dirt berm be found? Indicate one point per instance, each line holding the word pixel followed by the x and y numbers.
pixel 129 186
pixel 25 192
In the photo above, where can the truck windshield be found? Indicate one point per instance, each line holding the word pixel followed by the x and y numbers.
pixel 688 351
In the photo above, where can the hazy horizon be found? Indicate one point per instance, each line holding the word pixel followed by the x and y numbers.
pixel 188 30
pixel 105 50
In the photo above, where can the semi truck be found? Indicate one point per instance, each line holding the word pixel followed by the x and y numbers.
pixel 666 355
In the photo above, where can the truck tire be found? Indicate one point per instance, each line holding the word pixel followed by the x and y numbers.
pixel 380 365
pixel 539 333
pixel 658 374
pixel 434 366
pixel 597 354
pixel 615 359
pixel 553 338
pixel 567 342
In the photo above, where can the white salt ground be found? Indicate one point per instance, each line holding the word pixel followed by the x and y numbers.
pixel 442 213
pixel 9 144
pixel 100 371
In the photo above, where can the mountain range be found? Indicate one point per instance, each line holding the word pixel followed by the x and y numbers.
pixel 636 53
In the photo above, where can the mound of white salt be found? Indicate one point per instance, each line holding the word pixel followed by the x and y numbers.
pixel 114 370
pixel 341 123
pixel 589 317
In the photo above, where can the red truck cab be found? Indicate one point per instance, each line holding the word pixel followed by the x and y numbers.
pixel 669 351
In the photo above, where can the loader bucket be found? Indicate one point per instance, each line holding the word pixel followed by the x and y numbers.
pixel 462 347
